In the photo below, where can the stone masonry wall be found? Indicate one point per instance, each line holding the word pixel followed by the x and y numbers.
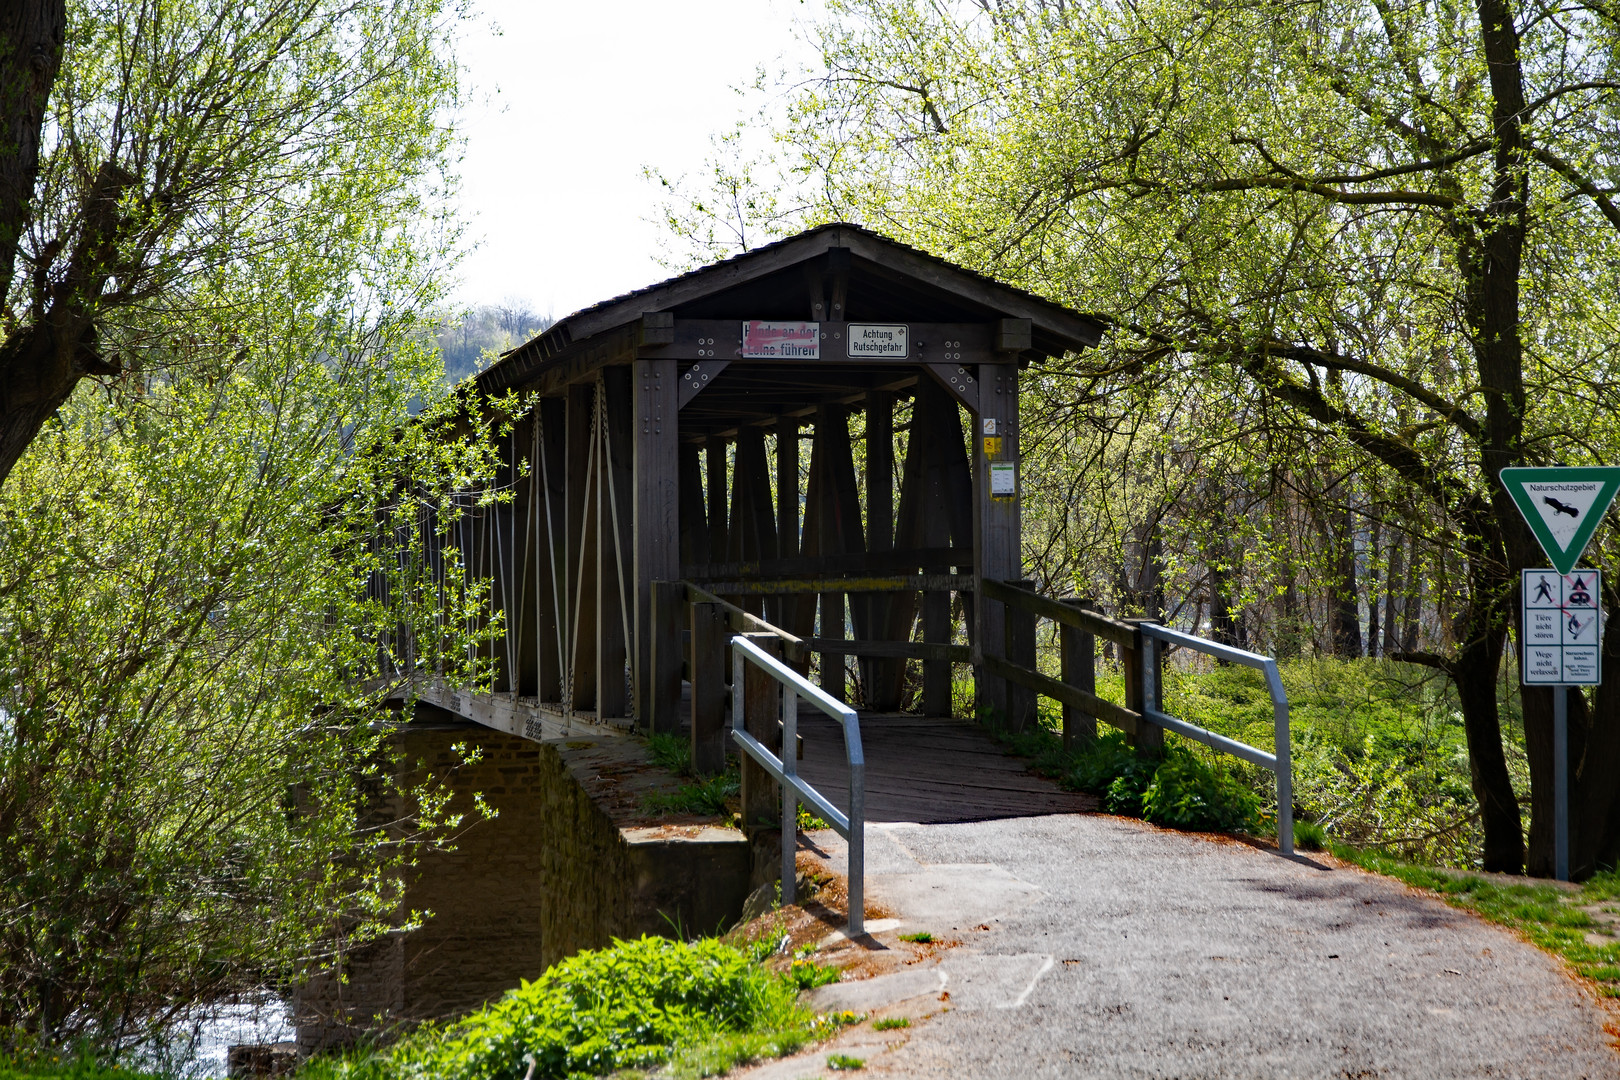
pixel 568 863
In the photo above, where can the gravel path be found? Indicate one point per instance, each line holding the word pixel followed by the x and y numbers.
pixel 1099 946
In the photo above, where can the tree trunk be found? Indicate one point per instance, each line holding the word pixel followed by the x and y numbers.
pixel 1392 587
pixel 1373 629
pixel 1479 658
pixel 1344 603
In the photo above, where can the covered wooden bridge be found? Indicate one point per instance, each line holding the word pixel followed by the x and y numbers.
pixel 822 433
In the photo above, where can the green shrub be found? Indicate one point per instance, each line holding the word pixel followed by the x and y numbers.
pixel 1310 836
pixel 807 974
pixel 1186 793
pixel 69 1066
pixel 632 1005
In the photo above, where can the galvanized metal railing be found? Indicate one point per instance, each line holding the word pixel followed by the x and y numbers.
pixel 851 826
pixel 1280 763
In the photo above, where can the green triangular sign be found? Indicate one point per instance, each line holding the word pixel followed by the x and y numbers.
pixel 1563 506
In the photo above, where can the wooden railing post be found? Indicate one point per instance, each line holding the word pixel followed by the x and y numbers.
pixel 710 634
pixel 761 794
pixel 662 700
pixel 1079 657
pixel 1143 679
pixel 1020 641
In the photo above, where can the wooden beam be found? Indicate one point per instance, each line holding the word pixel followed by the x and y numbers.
pixel 912 650
pixel 704 346
pixel 697 377
pixel 929 559
pixel 874 584
pixel 1064 612
pixel 1079 658
pixel 694 519
pixel 710 633
pixel 719 507
pixel 615 581
pixel 1126 719
pixel 658 533
pixel 996 522
pixel 556 571
pixel 582 547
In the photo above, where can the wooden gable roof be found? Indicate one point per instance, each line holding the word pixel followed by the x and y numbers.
pixel 888 280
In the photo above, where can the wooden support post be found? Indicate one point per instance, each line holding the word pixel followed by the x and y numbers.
pixel 1143 680
pixel 787 486
pixel 787 504
pixel 1079 656
pixel 1020 641
pixel 884 679
pixel 555 570
pixel 615 507
pixel 527 508
pixel 710 632
pixel 663 697
pixel 996 521
pixel 583 487
pixel 714 458
pixel 694 519
pixel 657 530
pixel 761 794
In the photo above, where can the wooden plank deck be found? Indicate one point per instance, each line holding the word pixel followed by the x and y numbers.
pixel 929 770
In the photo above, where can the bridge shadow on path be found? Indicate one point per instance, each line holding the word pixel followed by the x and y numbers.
pixel 929 770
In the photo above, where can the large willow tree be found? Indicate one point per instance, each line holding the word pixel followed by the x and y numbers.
pixel 223 250
pixel 1385 226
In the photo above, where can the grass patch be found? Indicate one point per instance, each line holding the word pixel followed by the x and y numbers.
pixel 59 1066
pixel 1549 917
pixel 844 1061
pixel 705 797
pixel 922 937
pixel 698 1008
pixel 889 1023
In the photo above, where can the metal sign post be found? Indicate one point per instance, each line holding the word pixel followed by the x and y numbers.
pixel 1561 608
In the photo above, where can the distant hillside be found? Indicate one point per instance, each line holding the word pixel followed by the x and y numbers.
pixel 471 343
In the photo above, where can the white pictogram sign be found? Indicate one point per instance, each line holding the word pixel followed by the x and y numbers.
pixel 1563 624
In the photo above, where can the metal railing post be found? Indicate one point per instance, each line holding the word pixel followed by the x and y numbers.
pixel 1285 759
pixel 790 796
pixel 851 826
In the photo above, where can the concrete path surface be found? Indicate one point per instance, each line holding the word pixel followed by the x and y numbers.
pixel 1089 945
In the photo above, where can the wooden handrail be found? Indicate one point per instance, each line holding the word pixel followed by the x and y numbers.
pixel 1120 633
pixel 905 650
pixel 867 584
pixel 794 648
pixel 1124 719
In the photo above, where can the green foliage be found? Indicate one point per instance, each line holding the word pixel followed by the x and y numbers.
pixel 807 974
pixel 66 1066
pixel 1175 788
pixel 922 937
pixel 1310 836
pixel 1188 793
pixel 889 1023
pixel 844 1061
pixel 672 752
pixel 706 797
pixel 1556 919
pixel 808 821
pixel 702 1007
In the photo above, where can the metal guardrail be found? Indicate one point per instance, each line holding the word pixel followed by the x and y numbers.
pixel 1281 763
pixel 853 826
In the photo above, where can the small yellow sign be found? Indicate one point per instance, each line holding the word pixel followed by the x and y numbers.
pixel 992 446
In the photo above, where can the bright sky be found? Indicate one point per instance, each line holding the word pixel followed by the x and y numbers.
pixel 573 99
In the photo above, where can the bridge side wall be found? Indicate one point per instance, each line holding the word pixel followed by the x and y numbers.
pixel 555 872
